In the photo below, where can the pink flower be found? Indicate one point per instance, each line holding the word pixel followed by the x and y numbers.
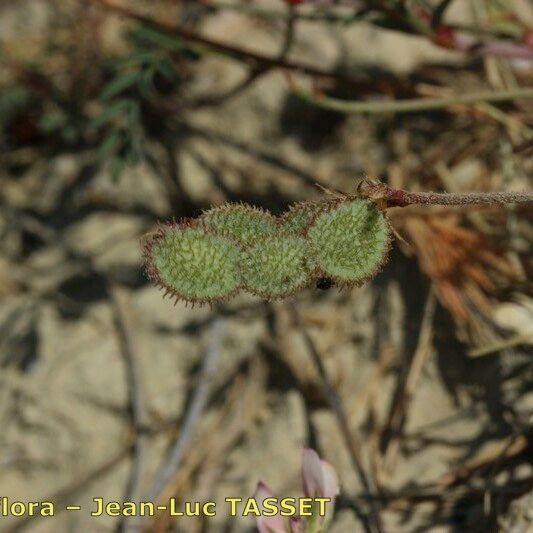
pixel 319 481
pixel 297 524
pixel 267 524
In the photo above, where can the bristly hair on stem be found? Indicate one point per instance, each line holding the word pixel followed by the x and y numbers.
pixel 393 197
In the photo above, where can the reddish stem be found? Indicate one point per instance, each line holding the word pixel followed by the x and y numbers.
pixel 394 197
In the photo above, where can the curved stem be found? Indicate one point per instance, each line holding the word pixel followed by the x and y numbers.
pixel 415 104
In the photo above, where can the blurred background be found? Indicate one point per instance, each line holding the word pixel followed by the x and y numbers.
pixel 417 388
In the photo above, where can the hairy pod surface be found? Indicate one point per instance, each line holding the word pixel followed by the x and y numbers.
pixel 276 267
pixel 192 264
pixel 300 215
pixel 242 222
pixel 350 241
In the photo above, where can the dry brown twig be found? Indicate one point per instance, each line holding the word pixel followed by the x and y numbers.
pixel 373 523
pixel 402 400
pixel 246 397
pixel 506 448
pixel 70 491
pixel 255 59
pixel 255 73
pixel 195 410
pixel 139 418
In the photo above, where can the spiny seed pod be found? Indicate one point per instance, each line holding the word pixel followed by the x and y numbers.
pixel 242 222
pixel 192 264
pixel 350 241
pixel 276 267
pixel 300 215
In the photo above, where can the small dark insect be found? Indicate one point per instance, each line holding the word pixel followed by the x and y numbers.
pixel 324 283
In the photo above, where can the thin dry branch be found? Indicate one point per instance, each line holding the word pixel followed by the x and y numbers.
pixel 255 73
pixel 67 494
pixel 247 56
pixel 139 417
pixel 374 523
pixel 415 20
pixel 195 410
pixel 402 401
pixel 413 105
pixel 243 402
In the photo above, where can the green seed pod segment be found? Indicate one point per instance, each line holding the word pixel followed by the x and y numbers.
pixel 350 241
pixel 276 267
pixel 242 222
pixel 299 216
pixel 192 264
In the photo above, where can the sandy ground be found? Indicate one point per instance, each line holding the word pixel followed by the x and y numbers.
pixel 69 234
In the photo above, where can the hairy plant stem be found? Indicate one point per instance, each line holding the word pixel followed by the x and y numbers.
pixel 393 197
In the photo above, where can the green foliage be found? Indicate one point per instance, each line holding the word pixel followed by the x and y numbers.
pixel 350 241
pixel 276 266
pixel 193 265
pixel 133 77
pixel 120 84
pixel 242 222
pixel 53 121
pixel 134 83
pixel 65 125
pixel 119 126
pixel 13 100
pixel 147 38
